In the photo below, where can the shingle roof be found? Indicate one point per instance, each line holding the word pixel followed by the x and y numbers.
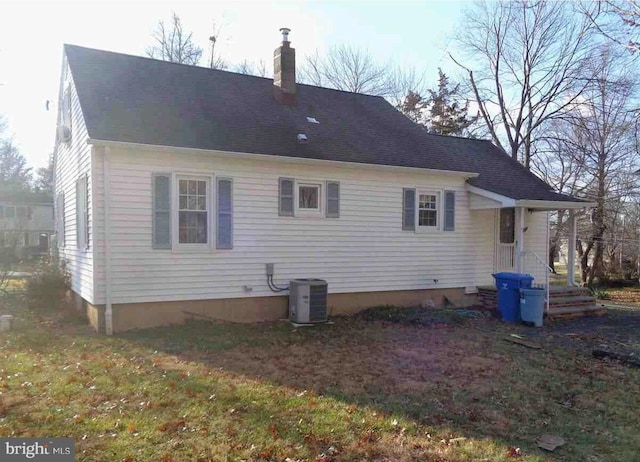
pixel 141 100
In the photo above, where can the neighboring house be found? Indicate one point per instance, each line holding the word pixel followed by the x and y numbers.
pixel 176 185
pixel 26 226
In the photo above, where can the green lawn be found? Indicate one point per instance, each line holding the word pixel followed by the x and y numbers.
pixel 354 390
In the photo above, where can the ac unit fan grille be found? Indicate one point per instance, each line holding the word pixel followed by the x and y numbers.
pixel 318 303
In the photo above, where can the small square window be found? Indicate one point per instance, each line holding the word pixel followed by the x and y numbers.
pixel 10 212
pixel 309 197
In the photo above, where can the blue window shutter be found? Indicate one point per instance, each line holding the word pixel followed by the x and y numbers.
pixel 161 211
pixel 408 209
pixel 333 199
pixel 60 221
pixel 224 221
pixel 449 211
pixel 285 195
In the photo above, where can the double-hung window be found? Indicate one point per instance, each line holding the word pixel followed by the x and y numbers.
pixel 193 210
pixel 428 209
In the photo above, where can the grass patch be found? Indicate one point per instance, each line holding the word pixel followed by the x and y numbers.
pixel 629 296
pixel 417 316
pixel 600 293
pixel 355 390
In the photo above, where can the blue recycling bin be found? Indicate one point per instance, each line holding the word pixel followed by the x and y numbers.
pixel 532 305
pixel 509 285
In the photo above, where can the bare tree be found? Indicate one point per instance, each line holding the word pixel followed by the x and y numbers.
pixel 562 167
pixel 347 68
pixel 215 59
pixel 350 69
pixel 600 137
pixel 252 68
pixel 618 20
pixel 172 43
pixel 526 60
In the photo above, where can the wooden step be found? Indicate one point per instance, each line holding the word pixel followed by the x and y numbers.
pixel 576 311
pixel 572 301
pixel 568 291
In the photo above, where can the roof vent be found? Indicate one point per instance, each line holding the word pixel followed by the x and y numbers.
pixel 302 138
pixel 285 34
pixel 312 120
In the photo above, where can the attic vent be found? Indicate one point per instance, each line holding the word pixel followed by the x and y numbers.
pixel 312 120
pixel 302 138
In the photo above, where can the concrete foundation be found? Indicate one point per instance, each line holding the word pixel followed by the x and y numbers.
pixel 127 316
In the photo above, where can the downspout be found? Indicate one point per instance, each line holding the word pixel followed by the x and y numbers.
pixel 548 268
pixel 519 219
pixel 106 171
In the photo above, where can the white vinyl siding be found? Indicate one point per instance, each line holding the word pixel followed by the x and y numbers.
pixel 365 250
pixel 73 160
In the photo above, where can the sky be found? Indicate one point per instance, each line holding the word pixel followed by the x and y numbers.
pixel 416 34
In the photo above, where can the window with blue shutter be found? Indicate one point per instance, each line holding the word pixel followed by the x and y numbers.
pixel 449 211
pixel 408 209
pixel 161 211
pixel 286 203
pixel 224 232
pixel 333 199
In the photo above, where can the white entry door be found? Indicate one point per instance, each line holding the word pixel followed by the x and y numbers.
pixel 506 242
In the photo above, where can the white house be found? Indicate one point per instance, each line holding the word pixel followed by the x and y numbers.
pixel 26 225
pixel 176 185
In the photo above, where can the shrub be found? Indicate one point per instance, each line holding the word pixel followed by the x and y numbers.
pixel 47 286
pixel 599 293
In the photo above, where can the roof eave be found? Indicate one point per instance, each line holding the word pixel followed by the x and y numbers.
pixel 273 157
pixel 541 205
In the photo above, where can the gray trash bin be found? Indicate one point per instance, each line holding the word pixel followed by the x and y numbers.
pixel 532 305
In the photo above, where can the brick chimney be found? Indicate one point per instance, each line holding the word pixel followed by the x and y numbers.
pixel 284 71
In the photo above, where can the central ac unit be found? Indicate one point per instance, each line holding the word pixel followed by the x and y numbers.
pixel 307 301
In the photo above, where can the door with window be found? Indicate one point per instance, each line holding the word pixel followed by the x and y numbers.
pixel 506 242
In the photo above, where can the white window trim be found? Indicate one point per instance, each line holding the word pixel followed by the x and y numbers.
pixel 439 193
pixel 302 212
pixel 176 246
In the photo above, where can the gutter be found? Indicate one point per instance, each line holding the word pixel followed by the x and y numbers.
pixel 270 157
pixel 554 205
pixel 106 172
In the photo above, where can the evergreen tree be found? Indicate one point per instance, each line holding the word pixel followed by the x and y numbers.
pixel 44 179
pixel 446 115
pixel 15 176
pixel 414 106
